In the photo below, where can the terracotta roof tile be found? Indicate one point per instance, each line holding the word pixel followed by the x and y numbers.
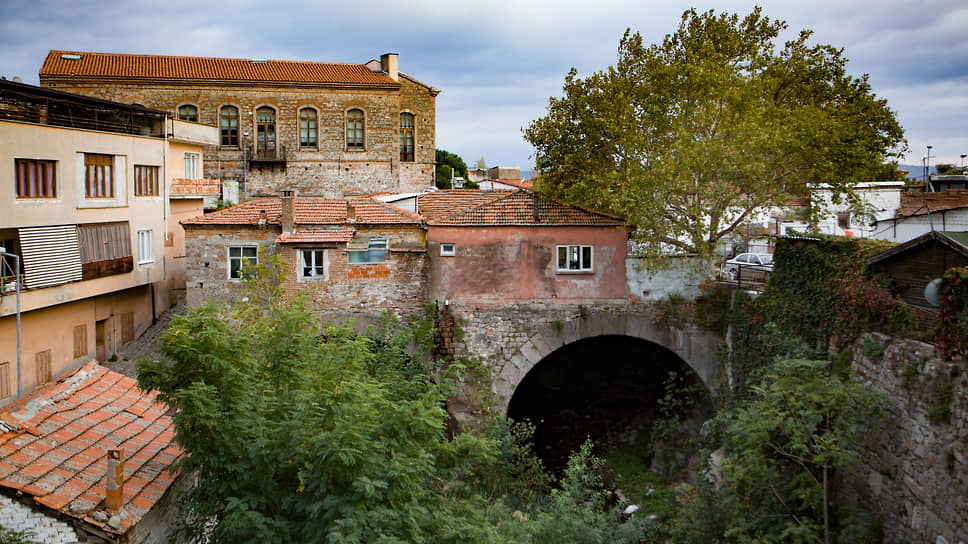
pixel 309 211
pixel 441 203
pixel 82 416
pixel 522 207
pixel 919 203
pixel 113 65
pixel 316 236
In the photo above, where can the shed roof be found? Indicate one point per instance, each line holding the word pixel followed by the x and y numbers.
pixel 127 66
pixel 921 203
pixel 54 443
pixel 956 241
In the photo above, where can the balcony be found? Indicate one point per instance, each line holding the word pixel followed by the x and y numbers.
pixel 270 156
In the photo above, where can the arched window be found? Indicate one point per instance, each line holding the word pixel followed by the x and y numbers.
pixel 188 112
pixel 354 129
pixel 307 127
pixel 406 137
pixel 229 125
pixel 265 129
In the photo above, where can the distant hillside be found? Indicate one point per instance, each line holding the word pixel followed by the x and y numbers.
pixel 915 171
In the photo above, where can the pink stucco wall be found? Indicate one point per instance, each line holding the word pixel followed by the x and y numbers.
pixel 497 265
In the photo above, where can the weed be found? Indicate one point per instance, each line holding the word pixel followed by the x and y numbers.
pixel 939 409
pixel 873 350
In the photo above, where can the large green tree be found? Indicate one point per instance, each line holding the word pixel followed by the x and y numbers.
pixel 690 137
pixel 447 164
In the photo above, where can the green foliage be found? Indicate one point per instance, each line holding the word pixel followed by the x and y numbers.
pixel 447 164
pixel 952 338
pixel 842 364
pixel 481 164
pixel 688 137
pixel 819 297
pixel 872 349
pixel 298 436
pixel 939 407
pixel 945 169
pixel 783 450
pixel 16 537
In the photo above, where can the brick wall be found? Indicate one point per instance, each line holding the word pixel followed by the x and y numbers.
pixel 327 169
pixel 398 284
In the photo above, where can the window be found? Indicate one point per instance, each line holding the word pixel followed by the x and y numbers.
pixel 191 166
pixel 35 179
pixel 238 256
pixel 103 241
pixel 145 180
pixel 313 264
pixel 265 129
pixel 574 258
pixel 376 252
pixel 144 247
pixel 354 129
pixel 99 176
pixel 188 112
pixel 229 125
pixel 406 136
pixel 843 219
pixel 448 250
pixel 307 127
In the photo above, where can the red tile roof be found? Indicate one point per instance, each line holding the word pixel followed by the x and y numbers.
pixel 442 203
pixel 917 203
pixel 55 441
pixel 522 207
pixel 180 186
pixel 309 211
pixel 316 236
pixel 112 65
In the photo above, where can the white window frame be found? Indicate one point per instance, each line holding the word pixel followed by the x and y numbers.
pixel 192 159
pixel 315 254
pixel 448 250
pixel 583 267
pixel 241 257
pixel 145 249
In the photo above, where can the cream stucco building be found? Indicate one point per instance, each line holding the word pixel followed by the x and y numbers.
pixel 84 202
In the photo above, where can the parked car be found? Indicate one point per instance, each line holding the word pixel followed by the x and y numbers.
pixel 747 261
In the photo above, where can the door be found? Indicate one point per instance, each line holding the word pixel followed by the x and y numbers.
pixel 99 342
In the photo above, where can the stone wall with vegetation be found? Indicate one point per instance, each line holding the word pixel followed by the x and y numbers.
pixel 913 469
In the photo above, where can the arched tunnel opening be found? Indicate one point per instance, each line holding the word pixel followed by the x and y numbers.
pixel 607 388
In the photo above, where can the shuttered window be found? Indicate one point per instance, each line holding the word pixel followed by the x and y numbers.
pixel 5 380
pixel 104 241
pixel 98 176
pixel 42 365
pixel 80 341
pixel 36 179
pixel 127 327
pixel 145 180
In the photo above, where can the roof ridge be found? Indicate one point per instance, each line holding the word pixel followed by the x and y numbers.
pixel 395 209
pixel 241 59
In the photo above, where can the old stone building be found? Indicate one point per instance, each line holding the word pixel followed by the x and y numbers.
pixel 319 128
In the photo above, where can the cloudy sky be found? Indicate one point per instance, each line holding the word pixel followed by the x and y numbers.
pixel 498 61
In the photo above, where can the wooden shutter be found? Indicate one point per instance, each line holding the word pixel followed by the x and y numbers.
pixel 42 361
pixel 80 341
pixel 127 327
pixel 5 380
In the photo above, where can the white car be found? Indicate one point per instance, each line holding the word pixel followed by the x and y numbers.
pixel 747 261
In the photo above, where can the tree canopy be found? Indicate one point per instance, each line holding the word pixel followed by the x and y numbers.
pixel 448 163
pixel 690 137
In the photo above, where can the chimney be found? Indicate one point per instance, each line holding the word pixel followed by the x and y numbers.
pixel 263 218
pixel 288 211
pixel 389 63
pixel 534 205
pixel 350 212
pixel 115 495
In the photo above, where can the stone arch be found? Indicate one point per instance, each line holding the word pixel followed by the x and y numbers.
pixel 697 347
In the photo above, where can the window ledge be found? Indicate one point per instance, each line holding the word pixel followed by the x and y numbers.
pixel 575 272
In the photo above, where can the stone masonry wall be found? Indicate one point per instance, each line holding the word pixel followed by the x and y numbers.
pixel 206 253
pixel 913 472
pixel 328 168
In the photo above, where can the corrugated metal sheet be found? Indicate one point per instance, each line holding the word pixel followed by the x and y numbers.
pixel 104 241
pixel 51 256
